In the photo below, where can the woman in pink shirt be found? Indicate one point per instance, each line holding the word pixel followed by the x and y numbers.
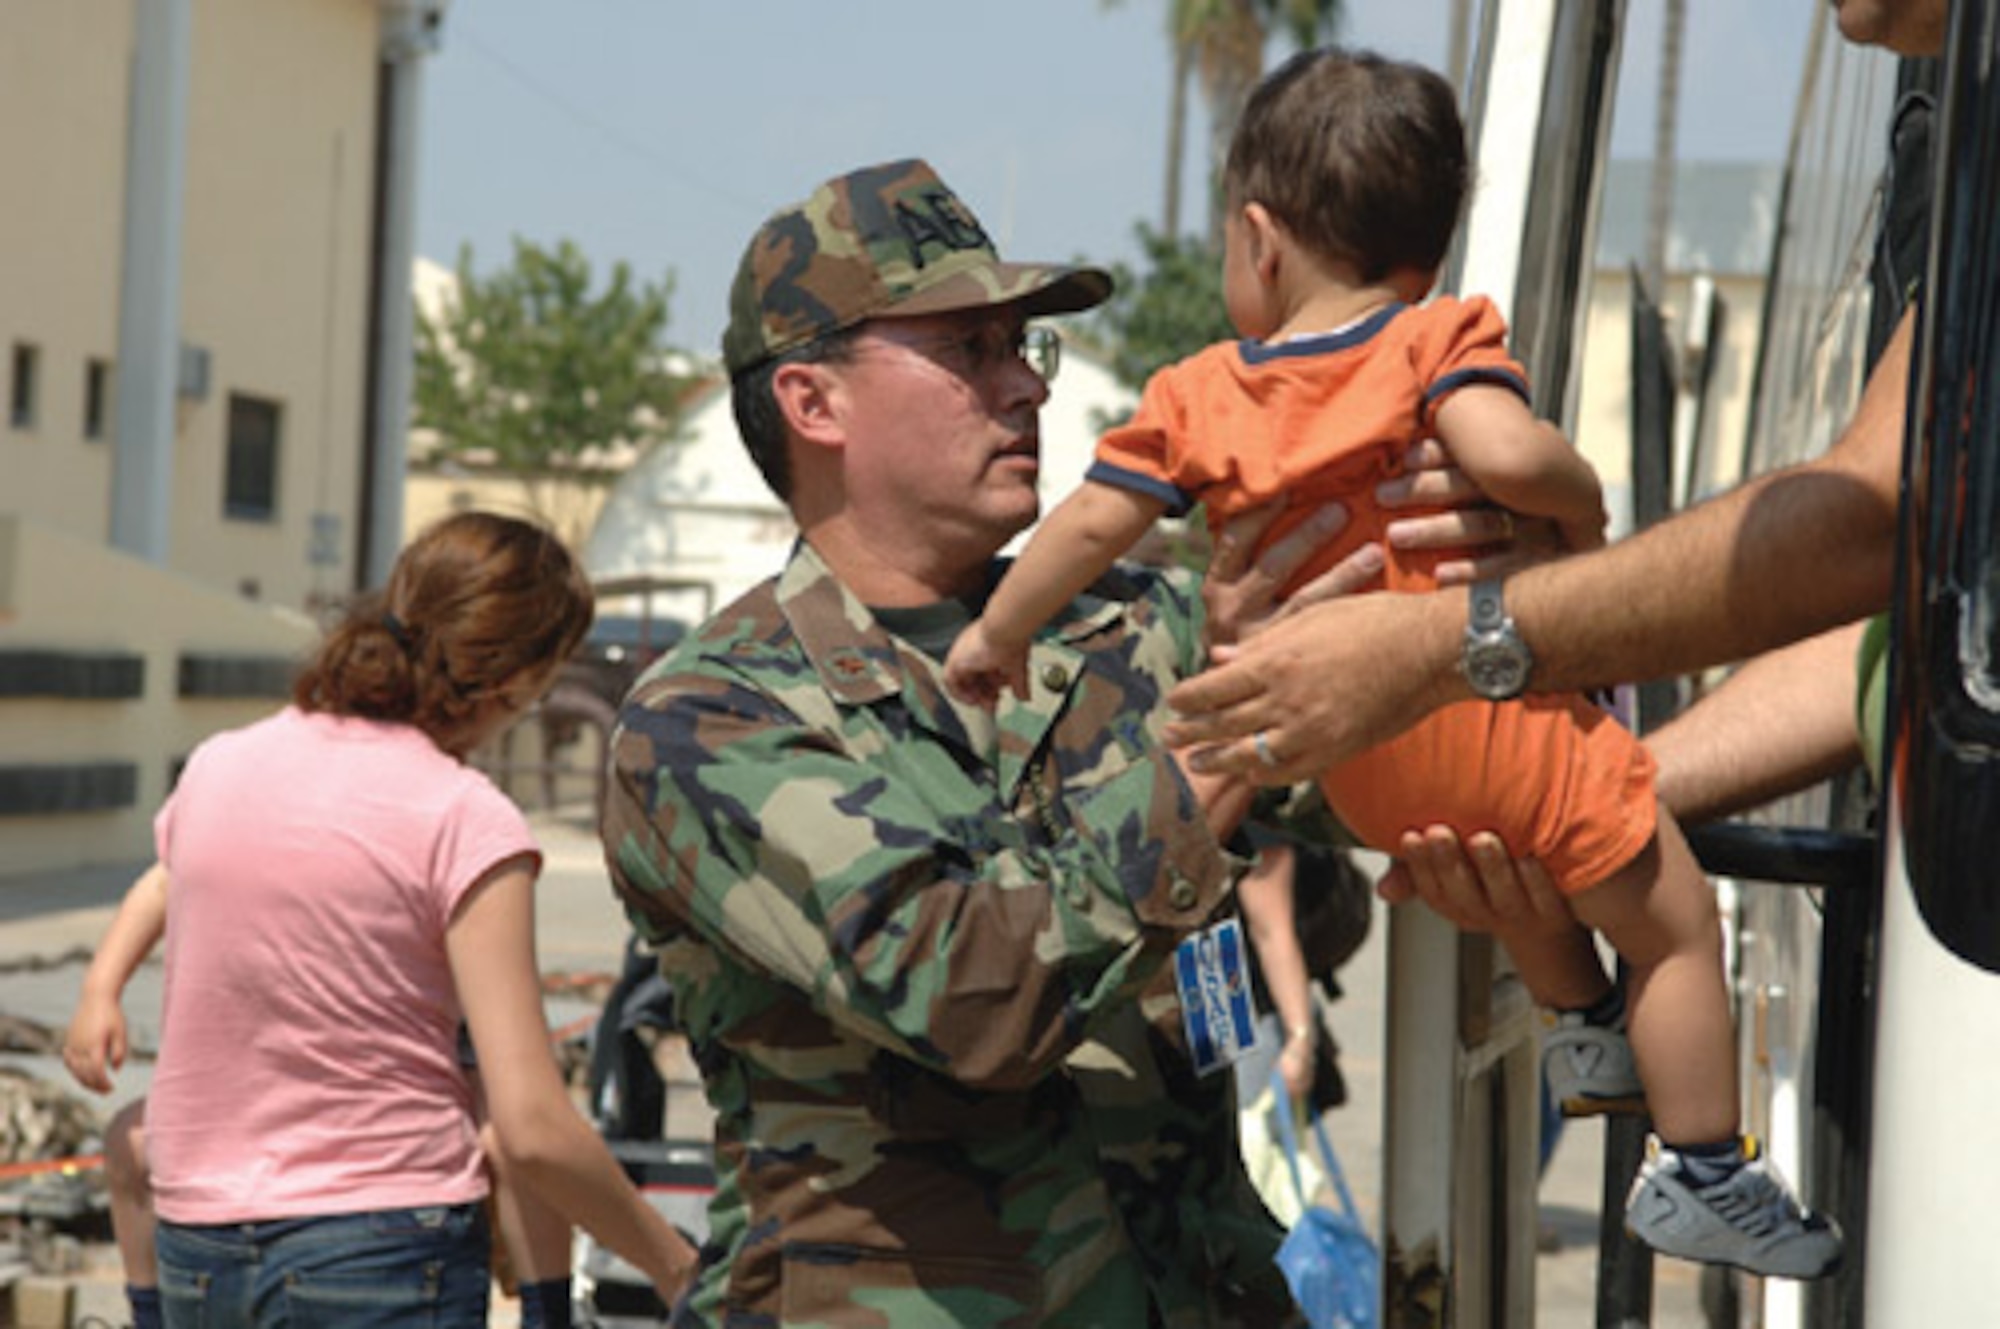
pixel 344 890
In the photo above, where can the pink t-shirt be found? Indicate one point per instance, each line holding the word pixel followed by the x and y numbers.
pixel 308 1041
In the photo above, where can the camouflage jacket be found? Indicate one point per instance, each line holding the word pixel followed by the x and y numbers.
pixel 919 956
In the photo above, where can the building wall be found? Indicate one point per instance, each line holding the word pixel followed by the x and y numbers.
pixel 277 213
pixel 63 97
pixel 569 508
pixel 63 595
pixel 1603 429
pixel 281 125
pixel 274 283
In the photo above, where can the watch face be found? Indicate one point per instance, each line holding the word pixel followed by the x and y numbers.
pixel 1495 660
pixel 1496 668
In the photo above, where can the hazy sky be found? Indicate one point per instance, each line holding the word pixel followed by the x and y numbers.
pixel 661 132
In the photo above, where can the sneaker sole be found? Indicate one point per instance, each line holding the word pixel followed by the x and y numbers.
pixel 1832 1267
pixel 1587 1105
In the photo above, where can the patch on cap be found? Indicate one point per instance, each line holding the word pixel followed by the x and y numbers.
pixel 884 238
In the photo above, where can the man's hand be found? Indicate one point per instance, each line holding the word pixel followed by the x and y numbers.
pixel 1322 677
pixel 1320 686
pixel 1495 540
pixel 1241 594
pixel 1475 884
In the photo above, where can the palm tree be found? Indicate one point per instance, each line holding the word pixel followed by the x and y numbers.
pixel 1458 52
pixel 1221 43
pixel 1666 119
pixel 1228 38
pixel 1170 213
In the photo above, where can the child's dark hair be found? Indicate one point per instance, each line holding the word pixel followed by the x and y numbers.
pixel 474 601
pixel 1362 159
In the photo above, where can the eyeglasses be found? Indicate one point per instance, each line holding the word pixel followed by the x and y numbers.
pixel 987 347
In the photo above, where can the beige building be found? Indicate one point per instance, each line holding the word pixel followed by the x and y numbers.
pixel 1720 240
pixel 192 348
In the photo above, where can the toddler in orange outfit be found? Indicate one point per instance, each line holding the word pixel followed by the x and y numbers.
pixel 1345 183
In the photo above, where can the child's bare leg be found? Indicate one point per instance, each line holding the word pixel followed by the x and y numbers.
pixel 131 1194
pixel 133 1224
pixel 1561 968
pixel 1659 913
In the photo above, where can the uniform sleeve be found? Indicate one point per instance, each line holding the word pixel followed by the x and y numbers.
pixel 895 893
pixel 1139 454
pixel 1465 343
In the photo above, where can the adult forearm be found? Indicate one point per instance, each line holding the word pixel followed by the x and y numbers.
pixel 1269 909
pixel 1783 721
pixel 1781 558
pixel 561 1161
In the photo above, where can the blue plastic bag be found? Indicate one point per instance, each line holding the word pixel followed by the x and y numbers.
pixel 1328 1259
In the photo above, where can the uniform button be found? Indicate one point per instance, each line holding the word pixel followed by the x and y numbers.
pixel 1055 677
pixel 1181 893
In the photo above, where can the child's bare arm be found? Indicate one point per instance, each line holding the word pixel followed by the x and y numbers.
pixel 95 1043
pixel 1521 462
pixel 1074 546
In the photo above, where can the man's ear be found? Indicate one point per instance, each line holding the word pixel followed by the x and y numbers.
pixel 810 397
pixel 1261 234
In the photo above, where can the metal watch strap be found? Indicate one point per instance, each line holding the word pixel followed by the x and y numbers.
pixel 1488 608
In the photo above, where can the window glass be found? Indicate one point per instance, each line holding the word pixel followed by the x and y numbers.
pixel 21 386
pixel 250 490
pixel 96 397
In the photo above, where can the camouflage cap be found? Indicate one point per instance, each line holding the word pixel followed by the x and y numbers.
pixel 888 238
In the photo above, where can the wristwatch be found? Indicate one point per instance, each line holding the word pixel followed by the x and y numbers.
pixel 1495 661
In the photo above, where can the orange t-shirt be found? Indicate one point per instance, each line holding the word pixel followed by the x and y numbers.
pixel 1329 417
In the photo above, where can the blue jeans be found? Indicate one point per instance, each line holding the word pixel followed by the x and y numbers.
pixel 402 1267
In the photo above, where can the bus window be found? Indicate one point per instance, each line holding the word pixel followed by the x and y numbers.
pixel 1948 635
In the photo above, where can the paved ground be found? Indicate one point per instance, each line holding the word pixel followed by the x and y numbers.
pixel 47 927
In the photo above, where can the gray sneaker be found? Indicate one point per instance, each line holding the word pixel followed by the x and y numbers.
pixel 1590 1069
pixel 1750 1220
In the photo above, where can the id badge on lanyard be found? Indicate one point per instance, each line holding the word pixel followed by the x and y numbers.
pixel 1215 996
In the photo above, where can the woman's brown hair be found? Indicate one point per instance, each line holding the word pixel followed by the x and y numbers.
pixel 474 602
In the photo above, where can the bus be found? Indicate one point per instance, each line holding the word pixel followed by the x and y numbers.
pixel 1863 933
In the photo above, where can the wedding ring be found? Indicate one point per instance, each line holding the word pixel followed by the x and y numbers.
pixel 1263 746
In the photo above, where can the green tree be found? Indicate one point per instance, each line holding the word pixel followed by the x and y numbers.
pixel 1167 310
pixel 530 372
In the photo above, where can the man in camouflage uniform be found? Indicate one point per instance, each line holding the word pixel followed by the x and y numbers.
pixel 921 951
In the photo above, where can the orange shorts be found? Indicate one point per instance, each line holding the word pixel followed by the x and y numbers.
pixel 1556 778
